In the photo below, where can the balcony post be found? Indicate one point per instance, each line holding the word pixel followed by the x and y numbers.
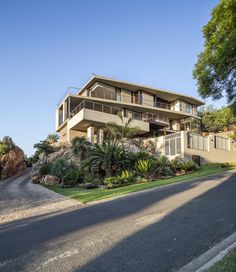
pixel 90 134
pixel 100 135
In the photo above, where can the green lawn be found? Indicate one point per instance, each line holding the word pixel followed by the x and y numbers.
pixel 228 263
pixel 86 196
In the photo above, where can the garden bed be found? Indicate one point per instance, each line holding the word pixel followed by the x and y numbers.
pixel 86 196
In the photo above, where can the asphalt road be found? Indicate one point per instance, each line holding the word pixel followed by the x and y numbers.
pixel 157 230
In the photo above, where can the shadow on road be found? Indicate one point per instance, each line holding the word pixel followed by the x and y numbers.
pixel 171 242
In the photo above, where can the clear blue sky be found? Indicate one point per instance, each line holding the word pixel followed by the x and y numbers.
pixel 47 46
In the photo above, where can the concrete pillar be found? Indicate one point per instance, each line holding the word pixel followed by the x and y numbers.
pixel 175 124
pixel 65 110
pixel 100 135
pixel 57 119
pixel 90 134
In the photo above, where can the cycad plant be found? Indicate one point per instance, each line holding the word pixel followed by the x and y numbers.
pixel 108 156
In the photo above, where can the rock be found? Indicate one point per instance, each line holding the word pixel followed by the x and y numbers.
pixel 35 179
pixel 50 180
pixel 12 163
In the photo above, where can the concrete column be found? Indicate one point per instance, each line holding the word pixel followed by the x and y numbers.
pixel 64 111
pixel 175 124
pixel 57 119
pixel 90 134
pixel 100 135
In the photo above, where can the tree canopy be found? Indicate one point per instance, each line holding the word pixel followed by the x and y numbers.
pixel 214 120
pixel 215 70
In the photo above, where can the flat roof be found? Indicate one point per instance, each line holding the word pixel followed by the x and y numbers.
pixel 164 94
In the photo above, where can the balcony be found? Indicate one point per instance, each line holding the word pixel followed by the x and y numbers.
pixel 144 117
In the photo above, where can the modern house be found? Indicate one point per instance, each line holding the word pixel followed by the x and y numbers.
pixel 168 119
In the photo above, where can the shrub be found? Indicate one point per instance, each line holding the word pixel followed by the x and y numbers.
pixel 80 146
pixel 134 157
pixel 43 147
pixel 126 177
pixel 52 138
pixel 45 169
pixel 6 145
pixel 61 169
pixel 112 182
pixel 74 176
pixel 146 168
pixel 108 157
pixel 190 166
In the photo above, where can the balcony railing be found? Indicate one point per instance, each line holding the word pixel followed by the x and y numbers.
pixel 162 105
pixel 145 117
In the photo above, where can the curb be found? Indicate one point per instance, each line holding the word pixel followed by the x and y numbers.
pixel 212 256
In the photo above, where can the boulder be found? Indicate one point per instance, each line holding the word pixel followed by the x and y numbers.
pixel 50 180
pixel 12 163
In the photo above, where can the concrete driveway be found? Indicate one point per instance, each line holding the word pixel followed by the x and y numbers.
pixel 156 230
pixel 20 198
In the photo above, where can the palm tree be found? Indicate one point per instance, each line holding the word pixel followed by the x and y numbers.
pixel 108 156
pixel 117 132
pixel 80 146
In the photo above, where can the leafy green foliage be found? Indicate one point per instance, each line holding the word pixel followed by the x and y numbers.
pixel 45 169
pixel 6 145
pixel 214 120
pixel 118 132
pixel 109 157
pixel 146 168
pixel 215 70
pixel 52 138
pixel 80 146
pixel 43 147
pixel 126 177
pixel 61 168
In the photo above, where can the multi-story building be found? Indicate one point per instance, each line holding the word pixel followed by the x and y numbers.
pixel 154 111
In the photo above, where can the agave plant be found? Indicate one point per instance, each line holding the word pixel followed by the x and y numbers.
pixel 80 146
pixel 146 168
pixel 108 157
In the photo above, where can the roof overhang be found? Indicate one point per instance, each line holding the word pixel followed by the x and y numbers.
pixel 166 95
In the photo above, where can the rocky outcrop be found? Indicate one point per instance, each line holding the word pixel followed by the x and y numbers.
pixel 50 180
pixel 63 151
pixel 12 163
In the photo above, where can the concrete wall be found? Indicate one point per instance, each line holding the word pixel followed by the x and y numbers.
pixel 126 96
pixel 213 154
pixel 148 99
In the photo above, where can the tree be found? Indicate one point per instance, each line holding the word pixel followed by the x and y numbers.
pixel 43 147
pixel 118 132
pixel 214 120
pixel 52 138
pixel 215 70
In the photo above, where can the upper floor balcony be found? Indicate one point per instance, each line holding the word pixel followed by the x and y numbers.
pixel 103 108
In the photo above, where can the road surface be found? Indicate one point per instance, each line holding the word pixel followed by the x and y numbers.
pixel 156 230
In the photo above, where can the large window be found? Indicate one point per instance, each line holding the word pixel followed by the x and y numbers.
pixel 173 144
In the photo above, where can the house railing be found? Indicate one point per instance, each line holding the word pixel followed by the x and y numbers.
pixel 145 117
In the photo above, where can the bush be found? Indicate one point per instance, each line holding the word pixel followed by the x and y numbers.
pixel 61 168
pixel 112 182
pixel 52 138
pixel 146 168
pixel 126 177
pixel 6 145
pixel 74 176
pixel 80 146
pixel 43 147
pixel 190 166
pixel 45 169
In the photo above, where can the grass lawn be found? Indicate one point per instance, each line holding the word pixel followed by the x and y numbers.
pixel 86 196
pixel 228 263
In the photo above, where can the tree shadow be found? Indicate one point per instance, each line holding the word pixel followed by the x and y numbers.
pixel 178 238
pixel 169 243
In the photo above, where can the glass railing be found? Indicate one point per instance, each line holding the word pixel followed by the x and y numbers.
pixel 103 95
